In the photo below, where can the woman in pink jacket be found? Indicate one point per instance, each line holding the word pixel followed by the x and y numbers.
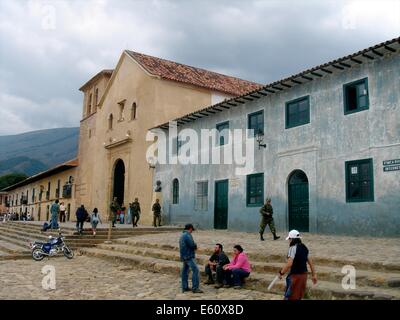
pixel 238 269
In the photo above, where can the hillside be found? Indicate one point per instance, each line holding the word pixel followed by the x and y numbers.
pixel 36 151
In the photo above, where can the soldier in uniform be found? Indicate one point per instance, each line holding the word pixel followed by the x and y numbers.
pixel 266 212
pixel 114 207
pixel 135 212
pixel 156 213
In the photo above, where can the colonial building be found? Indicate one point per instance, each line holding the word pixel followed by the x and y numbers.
pixel 35 194
pixel 120 106
pixel 326 150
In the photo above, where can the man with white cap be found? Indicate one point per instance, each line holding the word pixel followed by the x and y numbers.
pixel 297 259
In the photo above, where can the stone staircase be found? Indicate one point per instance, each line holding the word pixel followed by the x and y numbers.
pixel 374 280
pixel 15 237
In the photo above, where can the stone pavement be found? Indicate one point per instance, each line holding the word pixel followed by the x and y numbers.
pixel 384 251
pixel 92 278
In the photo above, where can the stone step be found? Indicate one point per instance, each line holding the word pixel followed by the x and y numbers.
pixel 24 240
pixel 256 281
pixel 260 256
pixel 11 248
pixel 328 273
pixel 127 229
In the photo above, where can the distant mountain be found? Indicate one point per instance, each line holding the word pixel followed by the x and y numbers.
pixel 36 151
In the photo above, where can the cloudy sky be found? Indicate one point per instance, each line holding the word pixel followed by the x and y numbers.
pixel 48 49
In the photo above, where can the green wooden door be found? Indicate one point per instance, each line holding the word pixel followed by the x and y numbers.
pixel 298 202
pixel 221 205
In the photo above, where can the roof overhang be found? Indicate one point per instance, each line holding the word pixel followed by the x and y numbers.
pixel 376 52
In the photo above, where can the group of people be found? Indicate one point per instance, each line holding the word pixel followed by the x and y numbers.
pixel 233 273
pixel 228 273
pixel 134 212
pixel 11 216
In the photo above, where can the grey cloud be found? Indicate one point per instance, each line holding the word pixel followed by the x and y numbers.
pixel 41 70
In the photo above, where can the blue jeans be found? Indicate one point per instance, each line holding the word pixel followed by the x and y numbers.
pixel 235 276
pixel 185 274
pixel 54 222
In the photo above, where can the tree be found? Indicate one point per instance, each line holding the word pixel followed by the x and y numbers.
pixel 10 179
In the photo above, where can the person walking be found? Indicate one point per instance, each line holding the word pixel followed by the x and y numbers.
pixel 54 210
pixel 95 219
pixel 216 263
pixel 62 212
pixel 81 215
pixel 297 259
pixel 114 207
pixel 238 269
pixel 187 248
pixel 135 212
pixel 156 213
pixel 266 212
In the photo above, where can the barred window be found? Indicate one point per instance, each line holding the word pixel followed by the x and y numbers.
pixel 201 199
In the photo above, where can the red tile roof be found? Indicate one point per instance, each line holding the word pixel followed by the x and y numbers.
pixel 195 76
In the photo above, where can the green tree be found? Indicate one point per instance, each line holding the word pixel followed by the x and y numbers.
pixel 10 179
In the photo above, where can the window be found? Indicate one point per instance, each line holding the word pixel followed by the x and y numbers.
pixel 90 105
pixel 201 199
pixel 58 189
pixel 223 133
pixel 133 111
pixel 121 110
pixel 256 122
pixel 175 191
pixel 110 122
pixel 96 97
pixel 33 195
pixel 297 112
pixel 359 181
pixel 255 189
pixel 355 96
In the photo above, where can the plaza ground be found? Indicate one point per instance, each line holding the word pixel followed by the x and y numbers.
pixel 143 263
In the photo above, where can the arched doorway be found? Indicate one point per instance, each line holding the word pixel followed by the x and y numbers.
pixel 119 181
pixel 298 197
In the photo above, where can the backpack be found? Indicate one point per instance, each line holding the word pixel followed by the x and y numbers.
pixel 45 227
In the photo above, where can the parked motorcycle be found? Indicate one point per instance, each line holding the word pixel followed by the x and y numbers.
pixel 54 246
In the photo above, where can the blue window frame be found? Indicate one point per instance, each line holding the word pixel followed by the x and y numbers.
pixel 298 112
pixel 255 189
pixel 256 122
pixel 222 137
pixel 355 95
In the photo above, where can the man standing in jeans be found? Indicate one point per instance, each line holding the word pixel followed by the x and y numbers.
pixel 187 248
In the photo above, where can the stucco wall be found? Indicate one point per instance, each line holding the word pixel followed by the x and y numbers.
pixel 157 101
pixel 319 148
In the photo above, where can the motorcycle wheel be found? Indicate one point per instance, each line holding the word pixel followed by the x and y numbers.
pixel 68 253
pixel 37 254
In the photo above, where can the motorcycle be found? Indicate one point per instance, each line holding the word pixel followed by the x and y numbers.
pixel 54 246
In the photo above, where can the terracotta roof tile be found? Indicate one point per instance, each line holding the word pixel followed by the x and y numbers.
pixel 199 77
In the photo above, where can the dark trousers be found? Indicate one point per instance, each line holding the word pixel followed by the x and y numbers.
pixel 62 216
pixel 235 276
pixel 220 273
pixel 157 218
pixel 79 225
pixel 135 219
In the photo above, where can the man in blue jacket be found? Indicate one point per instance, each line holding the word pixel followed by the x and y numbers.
pixel 187 248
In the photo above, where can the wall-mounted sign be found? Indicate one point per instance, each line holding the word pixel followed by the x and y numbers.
pixel 391 168
pixel 391 162
pixel 391 165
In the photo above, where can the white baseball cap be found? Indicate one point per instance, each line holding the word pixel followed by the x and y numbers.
pixel 293 234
